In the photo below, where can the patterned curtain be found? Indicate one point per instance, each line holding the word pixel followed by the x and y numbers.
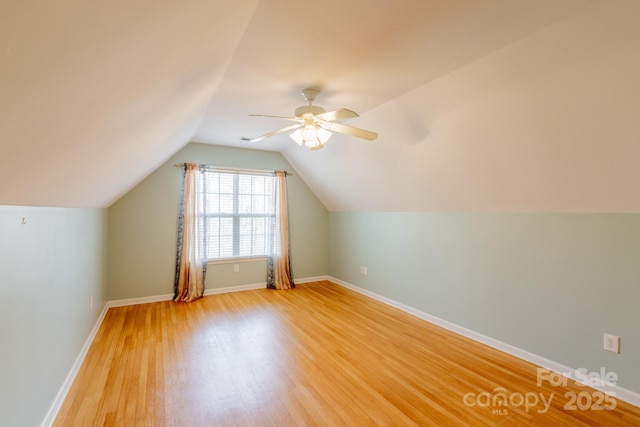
pixel 279 274
pixel 191 259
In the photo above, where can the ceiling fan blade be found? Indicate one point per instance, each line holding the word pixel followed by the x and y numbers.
pixel 349 130
pixel 294 119
pixel 339 114
pixel 275 132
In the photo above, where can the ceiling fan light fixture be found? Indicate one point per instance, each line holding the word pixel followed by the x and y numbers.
pixel 311 136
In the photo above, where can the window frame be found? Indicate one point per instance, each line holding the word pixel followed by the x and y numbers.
pixel 237 216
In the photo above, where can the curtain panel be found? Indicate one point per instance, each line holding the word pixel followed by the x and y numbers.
pixel 279 275
pixel 191 258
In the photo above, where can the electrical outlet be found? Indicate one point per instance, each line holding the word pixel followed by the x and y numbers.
pixel 236 268
pixel 361 270
pixel 612 343
pixel 90 303
pixel 365 271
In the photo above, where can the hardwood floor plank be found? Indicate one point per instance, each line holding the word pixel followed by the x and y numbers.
pixel 317 355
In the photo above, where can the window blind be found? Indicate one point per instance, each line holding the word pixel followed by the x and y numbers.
pixel 239 213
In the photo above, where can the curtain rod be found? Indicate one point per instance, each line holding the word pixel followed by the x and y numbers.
pixel 180 165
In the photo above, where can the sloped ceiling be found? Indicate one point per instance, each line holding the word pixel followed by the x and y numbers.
pixel 94 95
pixel 481 105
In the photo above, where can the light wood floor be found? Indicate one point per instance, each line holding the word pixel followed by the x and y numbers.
pixel 315 355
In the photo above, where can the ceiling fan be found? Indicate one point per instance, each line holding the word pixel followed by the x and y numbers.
pixel 314 126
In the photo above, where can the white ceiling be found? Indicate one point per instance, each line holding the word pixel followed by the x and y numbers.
pixel 481 105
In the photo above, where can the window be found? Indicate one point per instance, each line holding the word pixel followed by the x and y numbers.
pixel 238 213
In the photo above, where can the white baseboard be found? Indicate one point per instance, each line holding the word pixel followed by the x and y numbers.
pixel 263 285
pixel 240 288
pixel 141 300
pixel 311 279
pixel 75 368
pixel 211 291
pixel 620 393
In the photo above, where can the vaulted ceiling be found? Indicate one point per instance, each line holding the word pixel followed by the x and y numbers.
pixel 481 105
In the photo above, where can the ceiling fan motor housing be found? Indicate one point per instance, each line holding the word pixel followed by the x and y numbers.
pixel 309 94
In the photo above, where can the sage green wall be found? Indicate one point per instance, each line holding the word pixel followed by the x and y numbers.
pixel 51 266
pixel 550 284
pixel 142 227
